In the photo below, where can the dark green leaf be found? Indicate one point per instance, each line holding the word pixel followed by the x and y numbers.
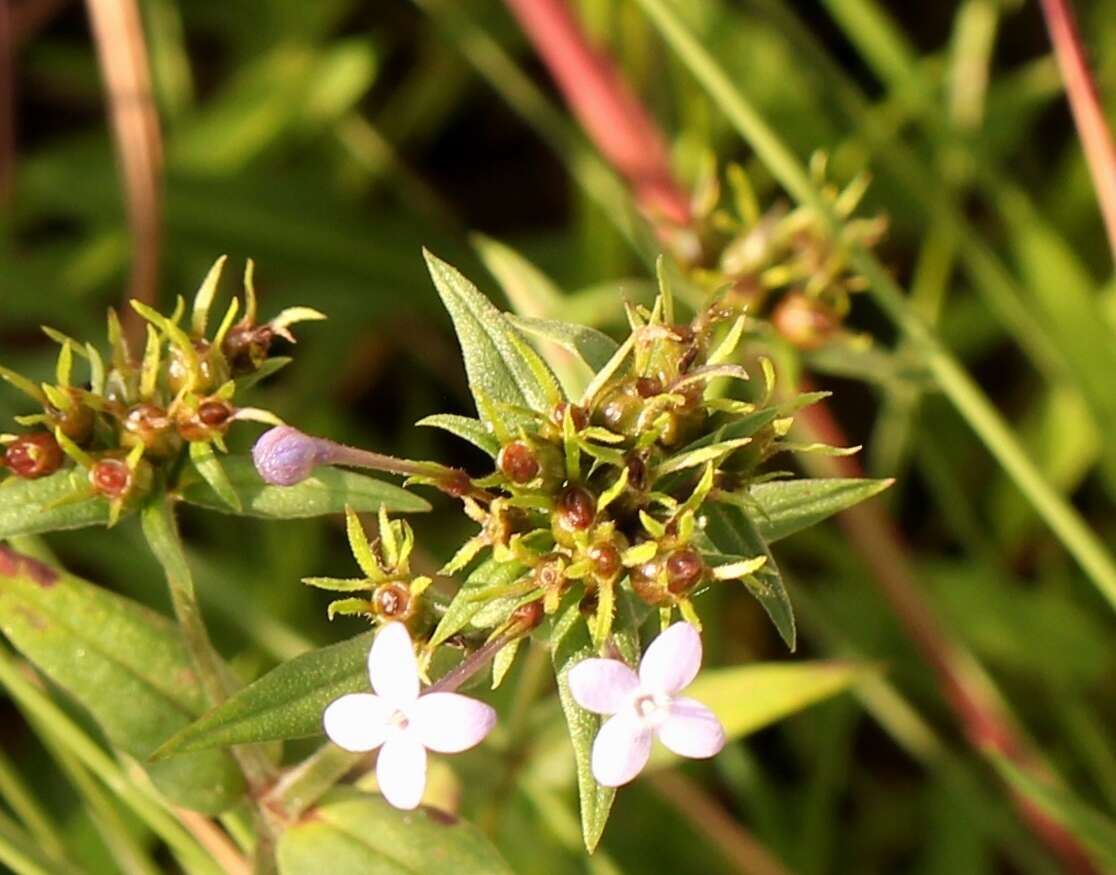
pixel 466 428
pixel 30 507
pixel 788 506
pixel 569 645
pixel 493 362
pixel 287 702
pixel 354 833
pixel 593 347
pixel 732 532
pixel 126 664
pixel 329 490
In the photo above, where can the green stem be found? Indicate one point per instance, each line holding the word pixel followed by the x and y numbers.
pixel 161 531
pixel 19 852
pixel 27 808
pixel 305 784
pixel 41 709
pixel 958 386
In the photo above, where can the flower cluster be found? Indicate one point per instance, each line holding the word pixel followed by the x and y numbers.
pixel 403 722
pixel 132 420
pixel 783 264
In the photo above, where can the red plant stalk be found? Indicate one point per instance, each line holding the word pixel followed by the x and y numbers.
pixel 1084 101
pixel 608 110
pixel 625 134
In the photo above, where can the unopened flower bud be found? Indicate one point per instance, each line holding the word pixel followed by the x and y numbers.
pixel 285 456
pixel 31 456
pixel 578 414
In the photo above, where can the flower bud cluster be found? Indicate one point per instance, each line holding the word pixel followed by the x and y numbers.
pixel 784 265
pixel 605 496
pixel 132 419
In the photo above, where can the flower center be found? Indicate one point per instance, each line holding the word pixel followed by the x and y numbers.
pixel 398 720
pixel 650 709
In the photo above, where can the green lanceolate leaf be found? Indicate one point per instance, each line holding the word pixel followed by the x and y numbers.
pixel 328 491
pixel 209 466
pixel 732 532
pixel 124 663
pixel 354 833
pixel 494 361
pixel 287 702
pixel 466 428
pixel 593 347
pixel 489 576
pixel 787 506
pixel 50 504
pixel 569 645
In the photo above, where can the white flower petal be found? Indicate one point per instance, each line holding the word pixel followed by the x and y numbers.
pixel 602 685
pixel 692 730
pixel 401 771
pixel 449 722
pixel 392 666
pixel 620 750
pixel 358 721
pixel 672 661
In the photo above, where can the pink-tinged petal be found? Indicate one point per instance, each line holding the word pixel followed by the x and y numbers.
pixel 401 771
pixel 357 722
pixel 620 751
pixel 392 666
pixel 672 661
pixel 449 722
pixel 602 685
pixel 692 730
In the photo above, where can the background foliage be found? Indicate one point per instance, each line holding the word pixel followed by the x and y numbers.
pixel 330 141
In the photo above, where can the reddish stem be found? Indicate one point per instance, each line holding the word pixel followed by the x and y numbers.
pixel 1084 101
pixel 607 108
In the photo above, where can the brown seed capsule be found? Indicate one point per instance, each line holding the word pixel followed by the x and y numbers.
pixel 211 419
pixel 148 424
pixel 606 561
pixel 576 509
pixel 806 322
pixel 619 410
pixel 111 477
pixel 646 583
pixel 684 570
pixel 578 414
pixel 518 462
pixel 528 616
pixel 647 387
pixel 211 372
pixel 31 456
pixel 393 601
pixel 246 347
pixel 76 422
pixel 456 483
pixel 637 473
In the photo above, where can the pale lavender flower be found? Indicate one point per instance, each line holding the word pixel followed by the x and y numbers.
pixel 645 705
pixel 401 721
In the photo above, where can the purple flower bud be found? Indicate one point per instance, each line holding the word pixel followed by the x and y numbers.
pixel 285 456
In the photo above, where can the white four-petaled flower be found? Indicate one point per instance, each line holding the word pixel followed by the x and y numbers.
pixel 644 705
pixel 400 721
